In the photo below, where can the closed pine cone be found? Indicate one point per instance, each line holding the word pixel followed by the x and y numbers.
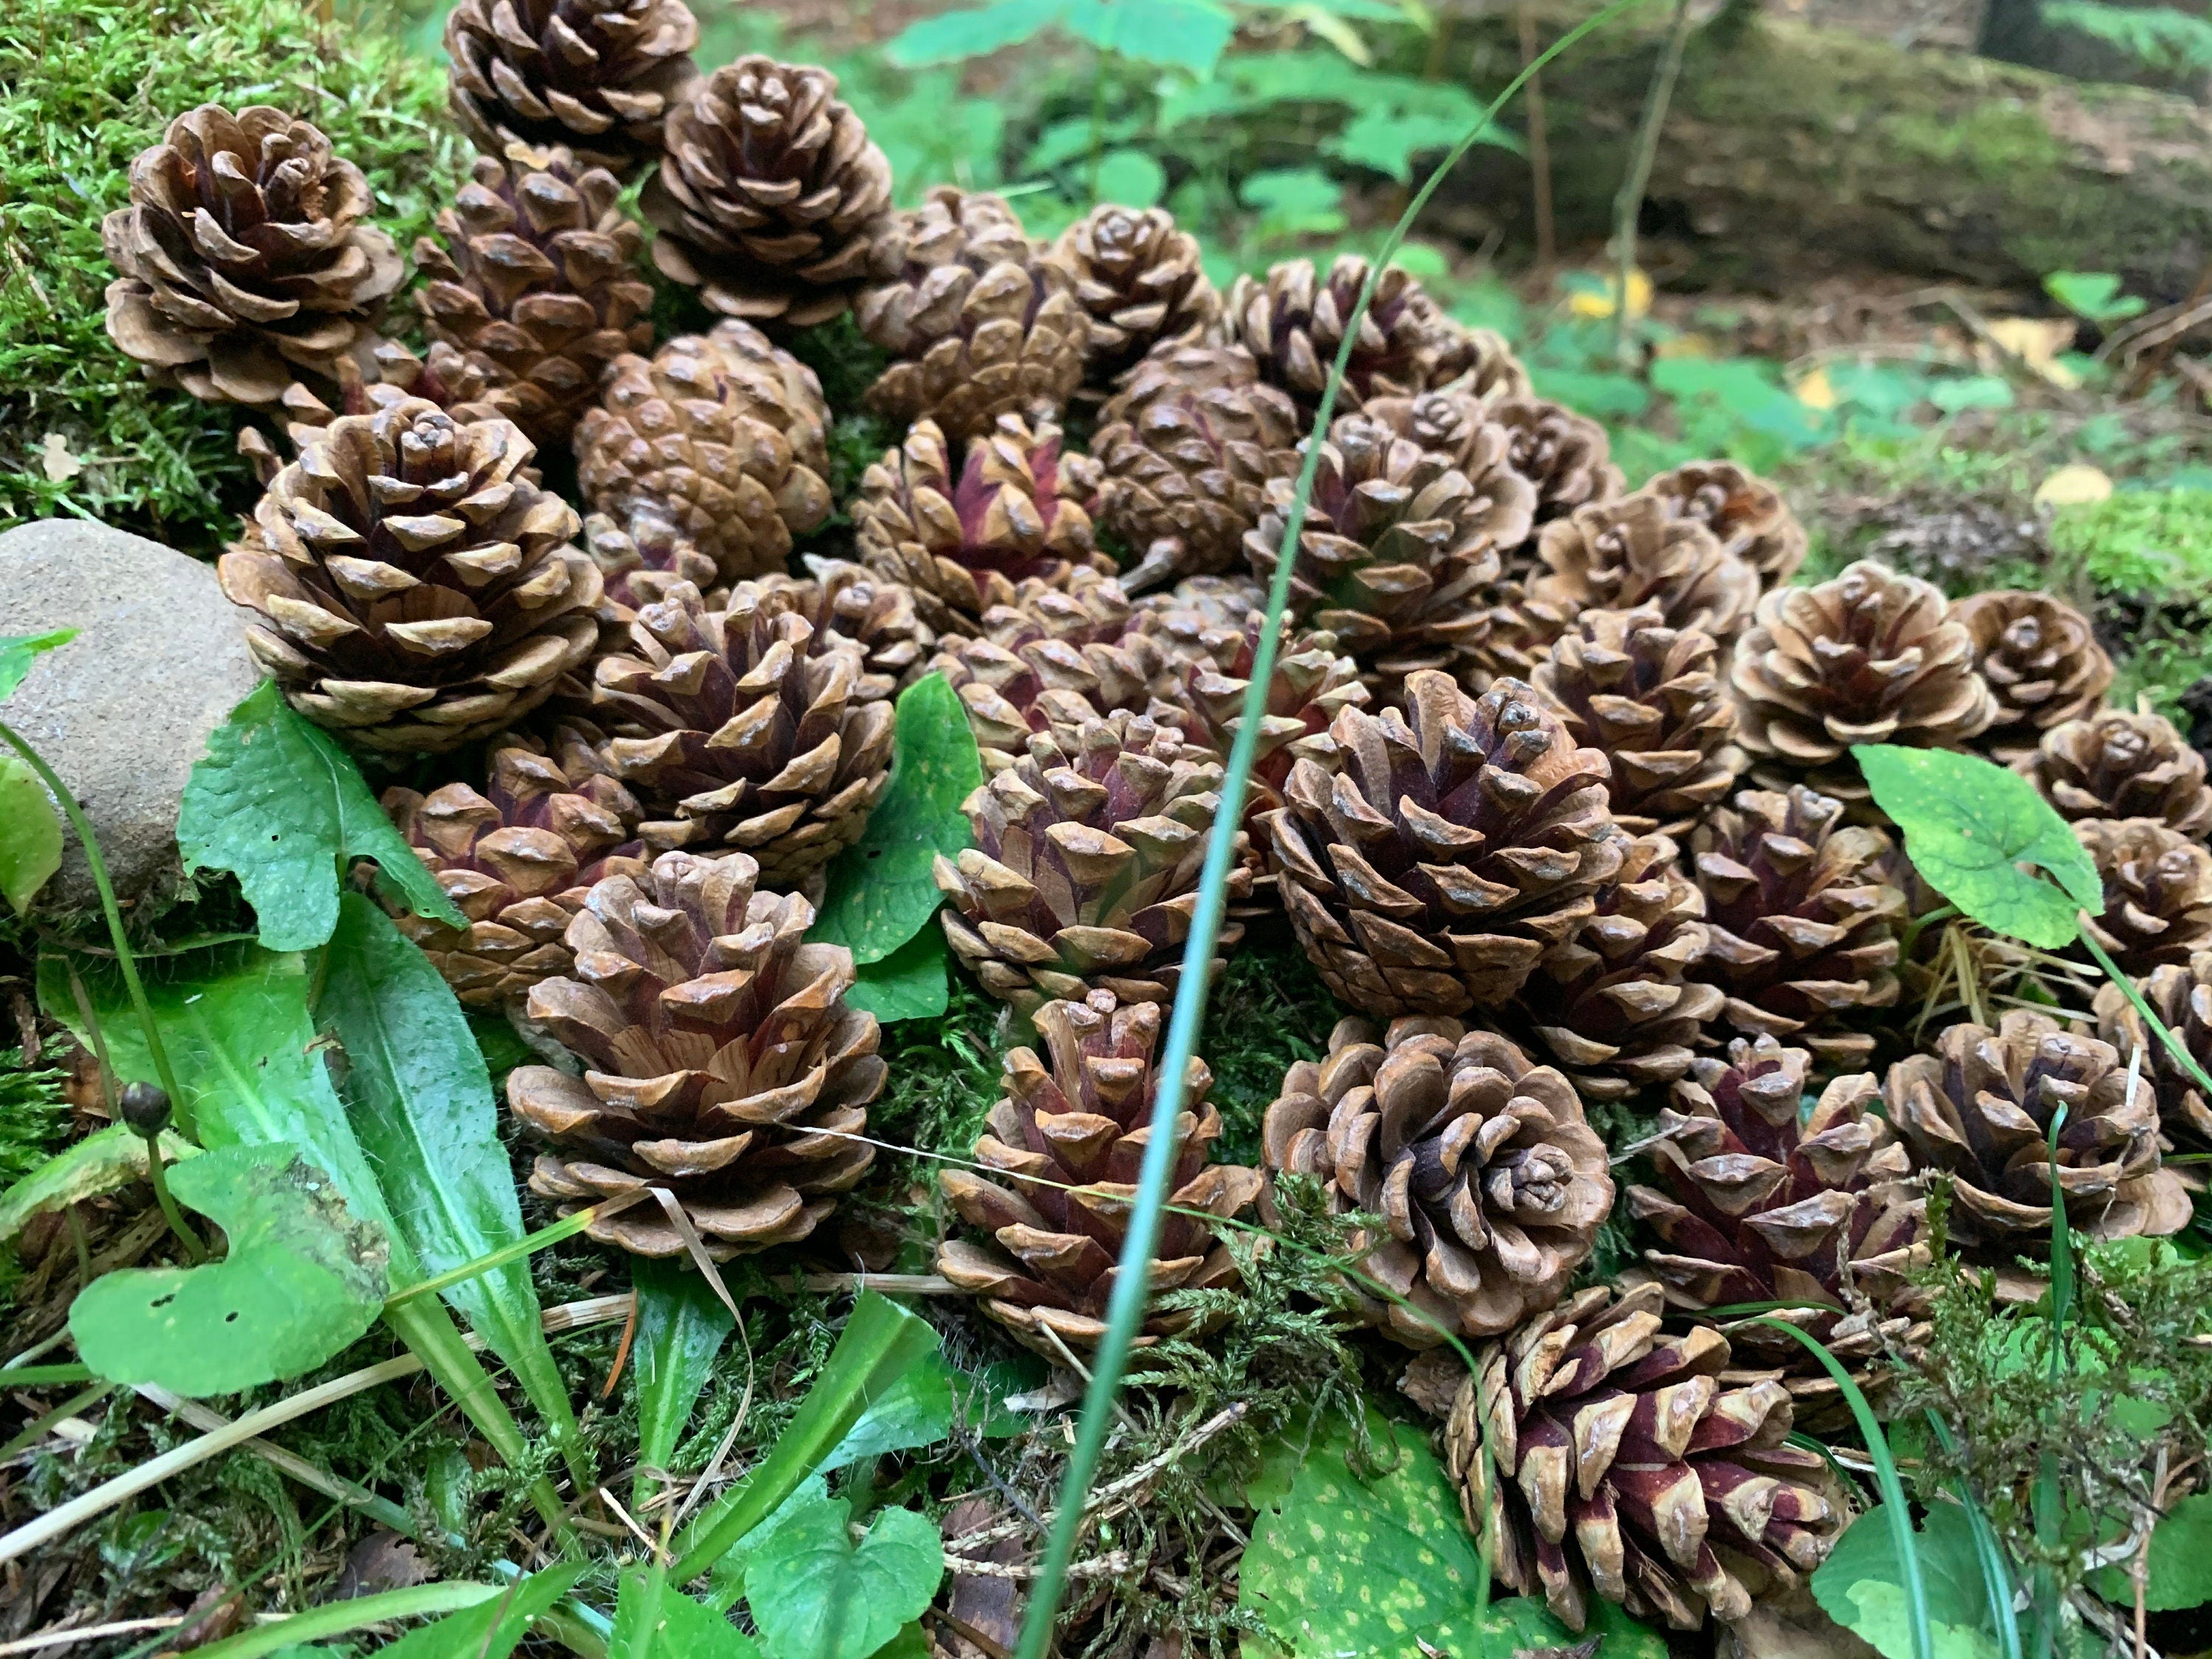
pixel 842 599
pixel 244 256
pixel 746 726
pixel 2042 661
pixel 2181 997
pixel 1635 552
pixel 1604 1456
pixel 408 586
pixel 1185 450
pixel 722 434
pixel 640 564
pixel 978 323
pixel 2112 764
pixel 1137 278
pixel 724 1068
pixel 1566 456
pixel 771 194
pixel 1804 913
pixel 597 75
pixel 1429 858
pixel 1079 1117
pixel 1980 1107
pixel 1490 1184
pixel 2158 892
pixel 1085 871
pixel 1649 696
pixel 393 374
pixel 1745 512
pixel 1870 657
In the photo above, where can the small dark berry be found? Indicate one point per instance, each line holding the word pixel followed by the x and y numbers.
pixel 145 1108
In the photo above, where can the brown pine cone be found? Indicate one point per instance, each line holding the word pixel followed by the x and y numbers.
pixel 245 256
pixel 1614 1002
pixel 1085 871
pixel 1746 513
pixel 2181 997
pixel 1635 552
pixel 1490 1185
pixel 2112 764
pixel 1138 278
pixel 723 1069
pixel 1770 1204
pixel 1600 1454
pixel 1185 451
pixel 597 75
pixel 1079 1118
pixel 1870 657
pixel 1566 456
pixel 722 435
pixel 1804 914
pixel 843 600
pixel 978 323
pixel 516 860
pixel 442 376
pixel 2158 892
pixel 640 564
pixel 771 196
pixel 1649 697
pixel 962 539
pixel 2042 661
pixel 1980 1108
pixel 1429 858
pixel 427 627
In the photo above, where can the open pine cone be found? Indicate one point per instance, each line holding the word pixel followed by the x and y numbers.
pixel 2181 997
pixel 597 75
pixel 640 564
pixel 1138 280
pixel 2158 892
pixel 1746 514
pixel 245 256
pixel 1080 1118
pixel 1490 1184
pixel 2042 661
pixel 2112 764
pixel 723 1069
pixel 1566 456
pixel 771 194
pixel 1979 1108
pixel 722 435
pixel 842 599
pixel 393 374
pixel 1429 858
pixel 1604 1456
pixel 1635 552
pixel 408 586
pixel 535 284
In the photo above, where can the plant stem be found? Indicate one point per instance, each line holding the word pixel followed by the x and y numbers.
pixel 1097 161
pixel 1539 146
pixel 2174 1045
pixel 195 1252
pixel 1628 206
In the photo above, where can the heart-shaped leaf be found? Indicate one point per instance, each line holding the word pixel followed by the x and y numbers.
pixel 910 983
pixel 19 651
pixel 815 1594
pixel 30 834
pixel 654 1619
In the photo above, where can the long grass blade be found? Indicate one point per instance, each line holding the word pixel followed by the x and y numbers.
pixel 2174 1045
pixel 1996 1571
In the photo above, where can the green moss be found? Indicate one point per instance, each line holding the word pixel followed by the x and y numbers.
pixel 85 85
pixel 2145 540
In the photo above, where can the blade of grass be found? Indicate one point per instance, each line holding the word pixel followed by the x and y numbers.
pixel 337 1617
pixel 681 1326
pixel 2045 1498
pixel 2174 1045
pixel 1997 1572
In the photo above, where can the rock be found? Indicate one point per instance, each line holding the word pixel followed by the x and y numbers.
pixel 122 711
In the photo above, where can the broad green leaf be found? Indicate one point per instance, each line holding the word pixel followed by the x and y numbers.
pixel 814 1593
pixel 881 892
pixel 1387 139
pixel 681 1327
pixel 914 1411
pixel 1971 391
pixel 910 983
pixel 1131 178
pixel 1861 1585
pixel 357 1613
pixel 19 651
pixel 954 37
pixel 2095 295
pixel 30 833
pixel 492 1628
pixel 1969 826
pixel 111 1157
pixel 278 804
pixel 2180 1561
pixel 654 1619
pixel 301 1281
pixel 1184 34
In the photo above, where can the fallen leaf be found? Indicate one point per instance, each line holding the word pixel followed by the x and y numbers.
pixel 1814 390
pixel 2075 485
pixel 2037 342
pixel 1597 299
pixel 56 461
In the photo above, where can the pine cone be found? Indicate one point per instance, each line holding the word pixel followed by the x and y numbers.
pixel 1085 864
pixel 963 539
pixel 2112 764
pixel 408 586
pixel 1185 450
pixel 640 564
pixel 2182 999
pixel 243 256
pixel 1635 551
pixel 1623 1465
pixel 1138 280
pixel 1804 916
pixel 1079 1118
pixel 1980 1108
pixel 597 75
pixel 2158 892
pixel 1870 657
pixel 746 726
pixel 517 860
pixel 536 284
pixel 771 194
pixel 841 599
pixel 1429 858
pixel 1490 1185
pixel 724 1068
pixel 1769 1205
pixel 1649 697
pixel 978 323
pixel 1566 456
pixel 1746 513
pixel 2042 661
pixel 1612 1002
pixel 442 376
pixel 723 436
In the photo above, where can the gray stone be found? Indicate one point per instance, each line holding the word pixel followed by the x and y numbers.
pixel 122 711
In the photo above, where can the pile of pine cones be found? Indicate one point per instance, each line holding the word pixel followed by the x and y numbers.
pixel 1554 783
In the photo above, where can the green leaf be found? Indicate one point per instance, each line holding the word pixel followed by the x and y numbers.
pixel 914 1411
pixel 1971 391
pixel 953 37
pixel 815 1594
pixel 1969 826
pixel 19 651
pixel 1131 178
pixel 910 983
pixel 103 1161
pixel 492 1628
pixel 1387 139
pixel 655 1620
pixel 880 891
pixel 30 834
pixel 357 1613
pixel 681 1327
pixel 277 803
pixel 2180 1561
pixel 1861 1585
pixel 1185 34
pixel 301 1281
pixel 2094 294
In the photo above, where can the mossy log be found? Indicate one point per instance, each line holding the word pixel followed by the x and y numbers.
pixel 1789 149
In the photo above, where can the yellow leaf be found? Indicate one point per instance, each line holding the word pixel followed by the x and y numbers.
pixel 1814 391
pixel 1334 29
pixel 1599 302
pixel 1685 345
pixel 2037 342
pixel 2073 486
